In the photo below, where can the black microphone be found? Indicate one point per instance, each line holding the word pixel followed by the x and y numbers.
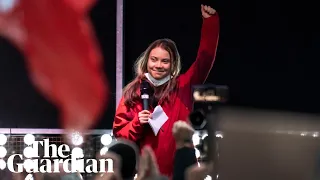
pixel 144 91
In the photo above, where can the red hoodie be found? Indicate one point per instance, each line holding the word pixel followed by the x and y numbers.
pixel 126 123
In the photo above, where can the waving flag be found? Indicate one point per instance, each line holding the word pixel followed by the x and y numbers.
pixel 63 58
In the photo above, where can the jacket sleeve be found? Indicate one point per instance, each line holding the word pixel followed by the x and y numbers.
pixel 200 69
pixel 126 123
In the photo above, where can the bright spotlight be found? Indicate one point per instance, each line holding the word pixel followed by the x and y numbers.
pixel 3 139
pixel 29 152
pixel 103 151
pixel 3 164
pixel 106 139
pixel 196 139
pixel 29 139
pixel 3 152
pixel 303 133
pixel 316 134
pixel 77 152
pixel 76 138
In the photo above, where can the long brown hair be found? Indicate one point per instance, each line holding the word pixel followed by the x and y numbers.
pixel 162 93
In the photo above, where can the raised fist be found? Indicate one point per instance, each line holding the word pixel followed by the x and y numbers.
pixel 207 11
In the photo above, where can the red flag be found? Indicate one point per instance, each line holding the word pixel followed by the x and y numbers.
pixel 63 57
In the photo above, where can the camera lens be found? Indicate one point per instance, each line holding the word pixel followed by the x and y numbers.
pixel 197 119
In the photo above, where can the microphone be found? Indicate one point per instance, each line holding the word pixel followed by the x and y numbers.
pixel 144 91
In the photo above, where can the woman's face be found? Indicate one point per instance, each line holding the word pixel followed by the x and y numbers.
pixel 159 63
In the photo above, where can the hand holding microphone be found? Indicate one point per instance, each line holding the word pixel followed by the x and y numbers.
pixel 144 115
pixel 145 91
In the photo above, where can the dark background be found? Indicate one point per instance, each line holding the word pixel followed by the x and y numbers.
pixel 268 55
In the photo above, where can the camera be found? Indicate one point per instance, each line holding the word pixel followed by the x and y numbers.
pixel 205 98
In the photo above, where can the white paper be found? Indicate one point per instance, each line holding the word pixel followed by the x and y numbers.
pixel 159 117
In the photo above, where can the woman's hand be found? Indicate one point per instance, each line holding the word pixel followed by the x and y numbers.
pixel 144 116
pixel 207 11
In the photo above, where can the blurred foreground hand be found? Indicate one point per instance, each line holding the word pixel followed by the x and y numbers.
pixel 62 56
pixel 148 166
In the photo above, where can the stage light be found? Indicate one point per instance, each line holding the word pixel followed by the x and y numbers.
pixel 303 133
pixel 29 139
pixel 103 151
pixel 3 164
pixel 29 152
pixel 3 152
pixel 106 139
pixel 77 152
pixel 195 139
pixel 316 134
pixel 76 138
pixel 3 139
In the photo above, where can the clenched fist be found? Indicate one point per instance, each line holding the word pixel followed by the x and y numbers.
pixel 207 11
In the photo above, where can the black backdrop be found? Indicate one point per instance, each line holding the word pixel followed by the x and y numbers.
pixel 267 55
pixel 268 50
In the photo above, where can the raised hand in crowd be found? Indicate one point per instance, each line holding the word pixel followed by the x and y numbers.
pixel 148 167
pixel 182 133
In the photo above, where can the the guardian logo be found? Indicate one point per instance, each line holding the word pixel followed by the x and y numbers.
pixel 53 157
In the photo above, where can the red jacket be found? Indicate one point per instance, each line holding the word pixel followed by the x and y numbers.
pixel 126 123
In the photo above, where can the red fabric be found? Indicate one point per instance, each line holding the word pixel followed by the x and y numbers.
pixel 127 125
pixel 62 57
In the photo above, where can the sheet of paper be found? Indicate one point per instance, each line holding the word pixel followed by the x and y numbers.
pixel 159 117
